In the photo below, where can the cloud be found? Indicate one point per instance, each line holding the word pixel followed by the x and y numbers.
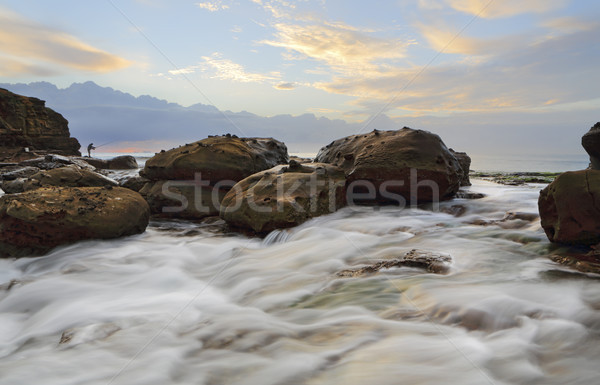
pixel 226 69
pixel 12 67
pixel 285 86
pixel 449 41
pixel 559 69
pixel 568 24
pixel 213 6
pixel 491 9
pixel 345 49
pixel 29 42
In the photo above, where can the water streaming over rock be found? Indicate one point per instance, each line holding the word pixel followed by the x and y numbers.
pixel 182 304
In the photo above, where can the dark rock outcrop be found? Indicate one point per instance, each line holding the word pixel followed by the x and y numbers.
pixel 123 162
pixel 190 181
pixel 465 164
pixel 570 208
pixel 36 221
pixel 135 183
pixel 27 123
pixel 284 196
pixel 591 143
pixel 397 162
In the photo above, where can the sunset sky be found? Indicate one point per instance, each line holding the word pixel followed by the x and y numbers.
pixel 462 60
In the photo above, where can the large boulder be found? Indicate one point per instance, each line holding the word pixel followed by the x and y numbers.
pixel 182 199
pixel 27 123
pixel 414 164
pixel 570 208
pixel 68 176
pixel 465 164
pixel 36 221
pixel 122 162
pixel 591 143
pixel 284 196
pixel 217 158
pixel 190 181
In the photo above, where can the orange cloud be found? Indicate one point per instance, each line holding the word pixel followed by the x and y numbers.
pixel 26 42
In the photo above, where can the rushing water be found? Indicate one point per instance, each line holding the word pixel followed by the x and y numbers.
pixel 184 304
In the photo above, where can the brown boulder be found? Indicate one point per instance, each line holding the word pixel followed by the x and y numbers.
pixel 182 199
pixel 400 162
pixel 591 143
pixel 570 208
pixel 36 221
pixel 123 162
pixel 69 176
pixel 217 158
pixel 284 196
pixel 27 123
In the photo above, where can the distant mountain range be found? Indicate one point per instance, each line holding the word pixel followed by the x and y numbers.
pixel 102 115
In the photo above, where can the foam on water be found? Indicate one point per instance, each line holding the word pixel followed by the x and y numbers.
pixel 169 308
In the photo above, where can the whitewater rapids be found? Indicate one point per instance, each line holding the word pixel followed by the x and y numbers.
pixel 184 304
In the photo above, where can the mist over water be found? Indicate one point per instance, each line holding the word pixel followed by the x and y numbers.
pixel 182 304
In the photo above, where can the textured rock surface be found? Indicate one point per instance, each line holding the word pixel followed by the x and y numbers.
pixel 284 196
pixel 179 199
pixel 570 208
pixel 591 143
pixel 34 222
pixel 68 176
pixel 217 158
pixel 389 156
pixel 437 263
pixel 27 122
pixel 123 162
pixel 465 164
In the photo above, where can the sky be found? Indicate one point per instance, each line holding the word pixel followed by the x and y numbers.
pixel 524 73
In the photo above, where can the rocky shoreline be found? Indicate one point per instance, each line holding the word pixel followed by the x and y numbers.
pixel 250 183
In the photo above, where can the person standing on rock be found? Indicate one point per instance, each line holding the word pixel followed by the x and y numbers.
pixel 90 147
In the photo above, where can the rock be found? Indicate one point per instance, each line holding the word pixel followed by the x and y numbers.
pixel 17 171
pixel 36 221
pixel 454 210
pixel 570 208
pixel 437 263
pixel 123 162
pixel 100 164
pixel 68 176
pixel 182 199
pixel 300 159
pixel 468 195
pixel 135 183
pixel 396 162
pixel 284 196
pixel 519 215
pixel 586 263
pixel 591 143
pixel 14 186
pixel 217 158
pixel 27 123
pixel 52 161
pixel 465 164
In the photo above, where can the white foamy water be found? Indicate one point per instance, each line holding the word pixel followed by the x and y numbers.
pixel 180 304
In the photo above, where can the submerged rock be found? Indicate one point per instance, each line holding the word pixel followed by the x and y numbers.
pixel 437 263
pixel 401 162
pixel 284 196
pixel 36 221
pixel 570 208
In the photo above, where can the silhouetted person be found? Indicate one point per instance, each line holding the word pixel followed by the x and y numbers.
pixel 90 148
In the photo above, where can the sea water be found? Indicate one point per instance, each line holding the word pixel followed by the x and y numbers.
pixel 186 304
